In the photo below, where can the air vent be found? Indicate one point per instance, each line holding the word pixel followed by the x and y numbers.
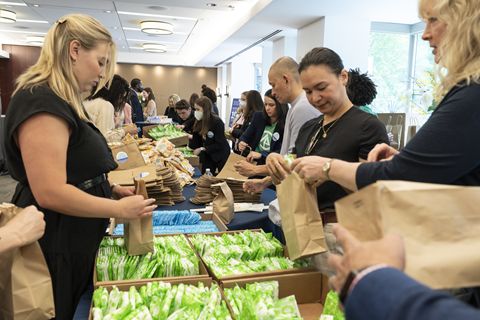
pixel 250 46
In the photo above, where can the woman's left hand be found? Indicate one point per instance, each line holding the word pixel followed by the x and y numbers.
pixel 197 151
pixel 310 169
pixel 253 155
pixel 120 192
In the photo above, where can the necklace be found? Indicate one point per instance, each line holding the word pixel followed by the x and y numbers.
pixel 323 127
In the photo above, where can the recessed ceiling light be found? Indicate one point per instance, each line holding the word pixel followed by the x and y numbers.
pixel 36 5
pixel 13 4
pixel 123 47
pixel 211 4
pixel 154 47
pixel 115 28
pixel 119 38
pixel 108 11
pixel 37 40
pixel 7 16
pixel 204 19
pixel 157 27
pixel 32 21
pixel 158 8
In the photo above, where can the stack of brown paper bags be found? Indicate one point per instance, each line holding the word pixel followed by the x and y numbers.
pixel 171 182
pixel 204 193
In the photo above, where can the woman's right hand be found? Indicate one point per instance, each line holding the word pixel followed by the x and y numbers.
pixel 382 152
pixel 135 207
pixel 180 126
pixel 131 130
pixel 242 145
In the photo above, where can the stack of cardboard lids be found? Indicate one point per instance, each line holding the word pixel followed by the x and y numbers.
pixel 154 183
pixel 205 193
pixel 171 181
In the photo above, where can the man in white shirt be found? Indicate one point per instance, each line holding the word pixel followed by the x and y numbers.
pixel 287 88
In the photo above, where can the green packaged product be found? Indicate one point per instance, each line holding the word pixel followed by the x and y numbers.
pixel 330 309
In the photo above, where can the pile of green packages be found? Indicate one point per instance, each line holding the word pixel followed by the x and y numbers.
pixel 330 309
pixel 158 301
pixel 168 131
pixel 173 257
pixel 243 253
pixel 187 152
pixel 260 301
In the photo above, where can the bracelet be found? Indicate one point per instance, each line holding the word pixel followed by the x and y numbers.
pixel 363 273
pixel 114 185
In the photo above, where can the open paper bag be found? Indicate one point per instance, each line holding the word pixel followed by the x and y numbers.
pixel 25 284
pixel 139 232
pixel 440 226
pixel 301 220
pixel 223 204
pixel 228 170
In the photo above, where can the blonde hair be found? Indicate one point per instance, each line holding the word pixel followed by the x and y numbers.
pixel 460 48
pixel 54 67
pixel 175 98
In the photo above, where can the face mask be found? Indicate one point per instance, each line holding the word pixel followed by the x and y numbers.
pixel 198 115
pixel 140 89
pixel 243 104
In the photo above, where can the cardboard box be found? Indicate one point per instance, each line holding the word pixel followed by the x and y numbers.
pixel 194 161
pixel 255 274
pixel 203 272
pixel 307 288
pixel 125 177
pixel 203 217
pixel 125 287
pixel 128 157
pixel 178 142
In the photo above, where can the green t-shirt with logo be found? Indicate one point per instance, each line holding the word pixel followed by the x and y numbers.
pixel 266 140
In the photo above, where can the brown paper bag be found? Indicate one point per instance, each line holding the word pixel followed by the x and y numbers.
pixel 228 170
pixel 440 226
pixel 139 232
pixel 412 129
pixel 301 221
pixel 25 284
pixel 128 157
pixel 223 204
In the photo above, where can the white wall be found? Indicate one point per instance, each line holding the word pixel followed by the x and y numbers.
pixel 309 37
pixel 266 64
pixel 278 49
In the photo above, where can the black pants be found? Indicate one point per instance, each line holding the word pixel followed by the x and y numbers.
pixel 209 163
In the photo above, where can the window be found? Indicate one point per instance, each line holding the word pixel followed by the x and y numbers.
pixel 258 76
pixel 388 65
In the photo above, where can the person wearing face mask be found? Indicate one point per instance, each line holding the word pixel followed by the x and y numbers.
pixel 137 113
pixel 209 137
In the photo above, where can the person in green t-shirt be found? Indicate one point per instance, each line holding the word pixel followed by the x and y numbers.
pixel 265 133
pixel 361 90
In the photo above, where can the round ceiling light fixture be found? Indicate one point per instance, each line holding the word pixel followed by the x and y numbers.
pixel 35 40
pixel 157 27
pixel 154 47
pixel 7 16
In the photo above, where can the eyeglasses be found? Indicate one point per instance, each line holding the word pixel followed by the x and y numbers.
pixel 314 140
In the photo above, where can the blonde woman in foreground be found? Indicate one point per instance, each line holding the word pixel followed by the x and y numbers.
pixel 61 160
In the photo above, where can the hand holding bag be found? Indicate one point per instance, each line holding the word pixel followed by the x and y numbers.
pixel 25 284
pixel 301 221
pixel 139 232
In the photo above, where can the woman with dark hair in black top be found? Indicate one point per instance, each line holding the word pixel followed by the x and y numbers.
pixel 209 137
pixel 254 104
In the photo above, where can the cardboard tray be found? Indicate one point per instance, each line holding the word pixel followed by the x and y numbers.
pixel 203 217
pixel 201 268
pixel 194 161
pixel 178 142
pixel 125 287
pixel 307 288
pixel 250 275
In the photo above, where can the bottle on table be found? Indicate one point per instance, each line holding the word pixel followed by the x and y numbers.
pixel 207 172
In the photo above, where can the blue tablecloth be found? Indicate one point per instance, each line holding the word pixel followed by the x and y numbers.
pixel 241 221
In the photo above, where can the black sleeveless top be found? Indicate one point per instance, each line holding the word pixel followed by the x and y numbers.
pixel 88 156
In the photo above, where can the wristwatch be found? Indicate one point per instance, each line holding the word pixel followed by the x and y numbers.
pixel 202 149
pixel 114 185
pixel 326 168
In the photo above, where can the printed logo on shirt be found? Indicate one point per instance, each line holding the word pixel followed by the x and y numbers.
pixel 210 134
pixel 276 136
pixel 143 175
pixel 266 140
pixel 122 157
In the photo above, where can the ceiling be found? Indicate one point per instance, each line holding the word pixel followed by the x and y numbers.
pixel 202 35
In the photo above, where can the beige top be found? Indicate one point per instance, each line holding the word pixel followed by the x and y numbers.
pixel 150 110
pixel 102 114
